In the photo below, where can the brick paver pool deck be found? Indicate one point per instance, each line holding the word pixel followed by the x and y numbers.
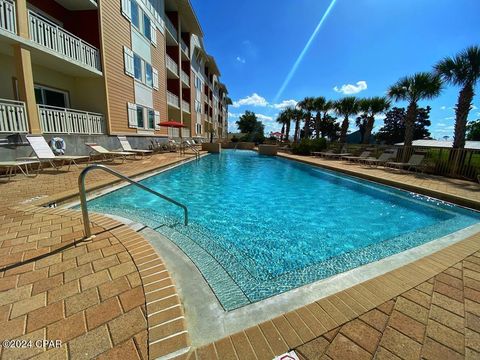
pixel 113 298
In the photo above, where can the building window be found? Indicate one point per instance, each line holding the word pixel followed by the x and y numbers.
pixel 51 97
pixel 147 29
pixel 148 74
pixel 137 64
pixel 135 14
pixel 140 119
pixel 151 119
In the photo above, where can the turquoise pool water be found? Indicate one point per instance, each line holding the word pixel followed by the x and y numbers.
pixel 263 225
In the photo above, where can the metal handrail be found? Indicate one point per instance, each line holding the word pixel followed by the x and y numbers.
pixel 83 195
pixel 195 151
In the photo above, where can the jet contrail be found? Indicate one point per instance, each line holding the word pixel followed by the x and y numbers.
pixel 304 51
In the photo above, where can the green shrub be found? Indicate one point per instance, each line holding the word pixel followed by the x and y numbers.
pixel 307 146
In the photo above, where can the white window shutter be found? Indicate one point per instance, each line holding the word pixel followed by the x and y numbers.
pixel 127 9
pixel 132 116
pixel 153 33
pixel 155 78
pixel 128 58
pixel 157 120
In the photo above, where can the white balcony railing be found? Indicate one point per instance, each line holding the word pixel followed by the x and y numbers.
pixel 172 65
pixel 55 120
pixel 184 48
pixel 13 117
pixel 185 78
pixel 173 99
pixel 53 37
pixel 7 16
pixel 171 28
pixel 185 106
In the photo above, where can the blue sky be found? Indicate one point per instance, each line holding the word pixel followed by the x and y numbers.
pixel 362 47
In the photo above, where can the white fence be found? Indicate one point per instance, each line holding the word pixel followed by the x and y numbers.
pixel 171 28
pixel 184 48
pixel 185 78
pixel 172 65
pixel 7 16
pixel 13 117
pixel 185 106
pixel 55 120
pixel 173 99
pixel 52 36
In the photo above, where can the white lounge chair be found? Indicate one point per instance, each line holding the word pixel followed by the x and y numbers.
pixel 107 154
pixel 414 163
pixel 44 154
pixel 386 156
pixel 12 166
pixel 128 148
pixel 363 155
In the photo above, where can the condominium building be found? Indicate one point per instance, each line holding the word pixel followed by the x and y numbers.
pixel 90 69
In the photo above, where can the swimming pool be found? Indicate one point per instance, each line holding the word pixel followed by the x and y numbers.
pixel 260 225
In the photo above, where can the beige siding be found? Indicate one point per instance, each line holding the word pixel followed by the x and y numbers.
pixel 120 90
pixel 160 96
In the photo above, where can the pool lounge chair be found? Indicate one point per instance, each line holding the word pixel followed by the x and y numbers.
pixel 107 154
pixel 44 154
pixel 363 155
pixel 11 167
pixel 414 163
pixel 322 153
pixel 386 156
pixel 128 148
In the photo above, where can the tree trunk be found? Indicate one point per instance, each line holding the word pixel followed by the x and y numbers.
pixel 461 116
pixel 317 126
pixel 409 127
pixel 283 131
pixel 343 134
pixel 306 128
pixel 297 128
pixel 368 130
pixel 287 131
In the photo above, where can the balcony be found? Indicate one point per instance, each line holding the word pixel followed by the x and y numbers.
pixel 185 78
pixel 55 120
pixel 173 100
pixel 57 39
pixel 172 65
pixel 184 48
pixel 185 106
pixel 171 28
pixel 7 16
pixel 13 117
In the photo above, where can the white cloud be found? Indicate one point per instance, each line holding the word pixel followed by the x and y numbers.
pixel 449 118
pixel 443 108
pixel 474 107
pixel 241 60
pixel 285 103
pixel 264 117
pixel 254 100
pixel 349 89
pixel 233 115
pixel 380 117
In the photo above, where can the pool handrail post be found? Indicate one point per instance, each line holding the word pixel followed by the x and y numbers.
pixel 83 195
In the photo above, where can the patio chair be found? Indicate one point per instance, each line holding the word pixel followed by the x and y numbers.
pixel 12 166
pixel 322 153
pixel 414 163
pixel 363 155
pixel 343 152
pixel 44 154
pixel 128 148
pixel 107 154
pixel 159 147
pixel 386 156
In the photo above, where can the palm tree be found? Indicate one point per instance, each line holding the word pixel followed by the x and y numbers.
pixel 284 119
pixel 298 115
pixel 308 105
pixel 346 107
pixel 372 107
pixel 419 86
pixel 321 106
pixel 462 70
